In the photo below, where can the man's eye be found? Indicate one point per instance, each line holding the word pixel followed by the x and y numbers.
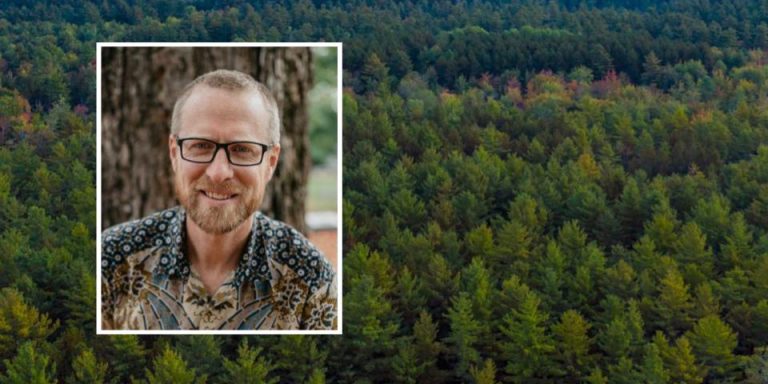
pixel 241 149
pixel 201 145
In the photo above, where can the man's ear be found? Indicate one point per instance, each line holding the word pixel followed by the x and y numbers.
pixel 273 156
pixel 173 149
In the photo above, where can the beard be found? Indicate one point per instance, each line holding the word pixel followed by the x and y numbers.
pixel 217 219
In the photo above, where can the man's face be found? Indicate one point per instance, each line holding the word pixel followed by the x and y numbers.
pixel 219 196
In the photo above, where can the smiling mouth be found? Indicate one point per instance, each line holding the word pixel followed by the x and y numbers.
pixel 218 196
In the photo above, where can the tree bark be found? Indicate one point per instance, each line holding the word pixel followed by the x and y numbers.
pixel 139 86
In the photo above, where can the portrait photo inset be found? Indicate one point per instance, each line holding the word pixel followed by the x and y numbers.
pixel 205 165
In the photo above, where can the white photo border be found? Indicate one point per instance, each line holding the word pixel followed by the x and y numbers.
pixel 339 204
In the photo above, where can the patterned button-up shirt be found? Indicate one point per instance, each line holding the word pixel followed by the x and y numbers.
pixel 282 281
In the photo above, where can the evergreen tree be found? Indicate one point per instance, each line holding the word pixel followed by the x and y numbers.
pixel 479 241
pixel 653 371
pixel 464 334
pixel 405 364
pixel 673 305
pixel 691 250
pixel 616 339
pixel 203 352
pixel 484 375
pixel 20 322
pixel 526 345
pixel 620 280
pixel 550 272
pixel 169 368
pixel 613 307
pixel 297 357
pixel 362 261
pixel 573 344
pixel 127 357
pixel 738 250
pixel 530 213
pixel 371 325
pixel 476 281
pixel 409 295
pixel 427 348
pixel 87 369
pixel 572 241
pixel 662 227
pixel 408 208
pixel 644 254
pixel 713 342
pixel 705 302
pixel 713 215
pixel 28 367
pixel 735 287
pixel 440 282
pixel 679 360
pixel 79 298
pixel 374 73
pixel 624 372
pixel 513 247
pixel 72 342
pixel 249 367
pixel 512 294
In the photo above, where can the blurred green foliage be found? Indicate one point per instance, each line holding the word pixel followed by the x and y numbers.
pixel 323 127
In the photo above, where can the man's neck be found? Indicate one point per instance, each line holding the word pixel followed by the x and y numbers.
pixel 215 255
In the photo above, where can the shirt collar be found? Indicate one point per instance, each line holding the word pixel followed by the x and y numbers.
pixel 253 262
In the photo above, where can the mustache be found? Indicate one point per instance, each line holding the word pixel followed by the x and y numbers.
pixel 227 187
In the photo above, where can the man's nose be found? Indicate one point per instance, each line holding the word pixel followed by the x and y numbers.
pixel 219 169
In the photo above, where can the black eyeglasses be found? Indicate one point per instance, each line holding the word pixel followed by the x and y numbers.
pixel 243 153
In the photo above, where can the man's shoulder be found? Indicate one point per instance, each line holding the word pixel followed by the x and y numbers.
pixel 291 248
pixel 132 237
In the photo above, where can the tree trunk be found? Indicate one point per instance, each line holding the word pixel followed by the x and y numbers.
pixel 139 87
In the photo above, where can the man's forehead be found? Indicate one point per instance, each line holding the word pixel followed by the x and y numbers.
pixel 225 105
pixel 246 96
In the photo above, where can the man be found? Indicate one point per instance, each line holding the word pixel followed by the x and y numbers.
pixel 216 262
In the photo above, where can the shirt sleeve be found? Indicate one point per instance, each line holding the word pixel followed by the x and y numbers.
pixel 319 311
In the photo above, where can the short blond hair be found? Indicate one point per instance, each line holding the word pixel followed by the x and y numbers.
pixel 231 81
